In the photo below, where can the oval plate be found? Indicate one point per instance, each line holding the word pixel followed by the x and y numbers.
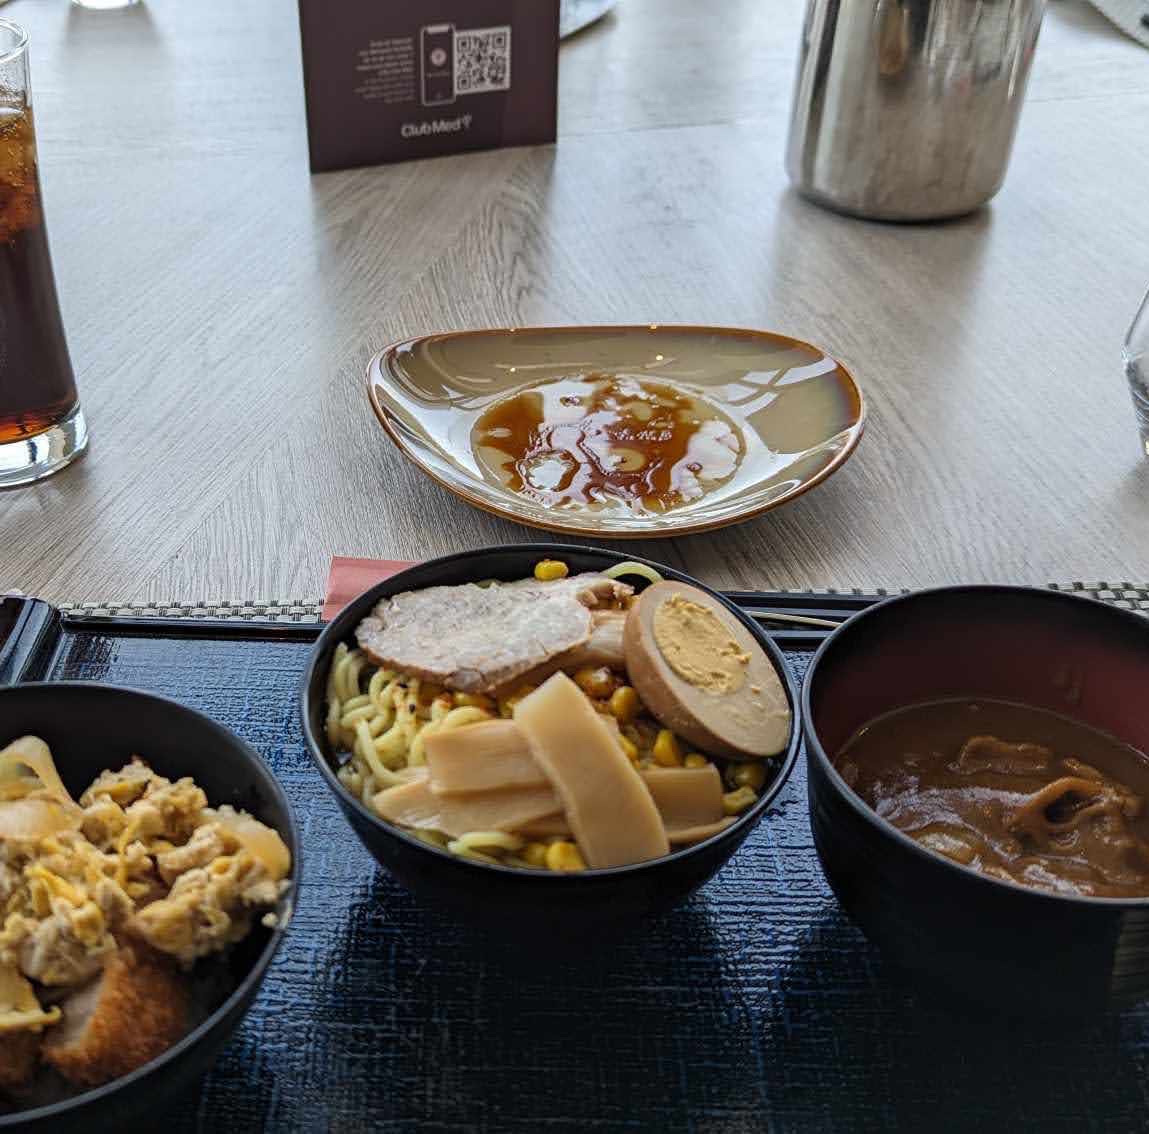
pixel 800 411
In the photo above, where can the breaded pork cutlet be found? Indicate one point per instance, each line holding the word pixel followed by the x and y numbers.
pixel 19 1056
pixel 131 1013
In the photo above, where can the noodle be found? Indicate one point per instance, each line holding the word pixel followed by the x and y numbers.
pixel 475 843
pixel 384 727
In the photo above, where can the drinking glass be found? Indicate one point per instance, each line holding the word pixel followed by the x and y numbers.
pixel 42 427
pixel 104 5
pixel 1137 369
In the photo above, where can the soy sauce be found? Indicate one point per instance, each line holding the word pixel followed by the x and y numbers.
pixel 601 440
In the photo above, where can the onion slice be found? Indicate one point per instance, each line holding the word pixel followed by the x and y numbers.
pixel 19 1009
pixel 32 753
pixel 262 842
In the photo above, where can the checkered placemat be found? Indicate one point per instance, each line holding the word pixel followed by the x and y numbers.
pixel 1127 595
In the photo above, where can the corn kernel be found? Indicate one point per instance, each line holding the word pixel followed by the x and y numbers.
pixel 748 775
pixel 596 682
pixel 548 570
pixel 624 703
pixel 666 750
pixel 695 760
pixel 630 748
pixel 735 802
pixel 564 856
pixel 535 854
pixel 475 700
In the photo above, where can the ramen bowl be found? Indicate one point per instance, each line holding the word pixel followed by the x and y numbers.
pixel 497 896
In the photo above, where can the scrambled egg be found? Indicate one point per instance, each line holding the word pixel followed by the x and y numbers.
pixel 138 858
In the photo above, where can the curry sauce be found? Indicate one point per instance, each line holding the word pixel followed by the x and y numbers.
pixel 1014 792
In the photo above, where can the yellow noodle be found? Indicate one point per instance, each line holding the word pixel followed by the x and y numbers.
pixel 359 713
pixel 391 749
pixel 451 718
pixel 489 840
pixel 382 719
pixel 456 847
pixel 334 705
pixel 381 689
pixel 347 671
pixel 384 725
pixel 366 749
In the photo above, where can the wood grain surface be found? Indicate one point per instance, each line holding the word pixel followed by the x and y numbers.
pixel 222 304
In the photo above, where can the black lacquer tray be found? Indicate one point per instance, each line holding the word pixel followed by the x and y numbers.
pixel 757 1006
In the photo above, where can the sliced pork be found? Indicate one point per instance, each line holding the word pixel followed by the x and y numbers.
pixel 477 639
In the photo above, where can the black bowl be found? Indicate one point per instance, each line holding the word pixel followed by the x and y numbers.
pixel 994 942
pixel 90 727
pixel 497 896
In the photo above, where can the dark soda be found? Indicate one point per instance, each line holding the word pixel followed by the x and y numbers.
pixel 37 386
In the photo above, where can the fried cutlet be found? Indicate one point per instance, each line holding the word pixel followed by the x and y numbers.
pixel 19 1055
pixel 131 1013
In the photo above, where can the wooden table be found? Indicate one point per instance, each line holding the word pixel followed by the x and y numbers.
pixel 222 304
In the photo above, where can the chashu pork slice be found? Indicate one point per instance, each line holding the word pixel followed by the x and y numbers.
pixel 476 639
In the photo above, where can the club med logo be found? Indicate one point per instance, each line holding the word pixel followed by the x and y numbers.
pixel 435 126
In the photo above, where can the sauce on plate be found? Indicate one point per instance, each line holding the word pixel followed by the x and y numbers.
pixel 602 440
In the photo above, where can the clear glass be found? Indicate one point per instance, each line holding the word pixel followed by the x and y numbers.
pixel 42 428
pixel 1137 369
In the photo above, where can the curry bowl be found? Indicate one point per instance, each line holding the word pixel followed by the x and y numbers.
pixel 495 895
pixel 91 727
pixel 989 940
pixel 619 432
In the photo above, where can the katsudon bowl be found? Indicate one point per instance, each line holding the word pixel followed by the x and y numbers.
pixel 90 727
pixel 973 938
pixel 496 895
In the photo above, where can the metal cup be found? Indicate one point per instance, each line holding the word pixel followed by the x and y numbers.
pixel 906 109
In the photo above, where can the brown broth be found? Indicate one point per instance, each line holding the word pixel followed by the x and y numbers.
pixel 1011 791
pixel 600 440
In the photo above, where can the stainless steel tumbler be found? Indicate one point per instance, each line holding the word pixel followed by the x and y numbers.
pixel 906 109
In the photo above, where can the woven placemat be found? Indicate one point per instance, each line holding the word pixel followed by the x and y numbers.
pixel 1127 595
pixel 235 610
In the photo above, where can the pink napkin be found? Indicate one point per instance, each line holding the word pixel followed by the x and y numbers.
pixel 349 578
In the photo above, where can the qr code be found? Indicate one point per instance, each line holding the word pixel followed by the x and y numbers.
pixel 482 60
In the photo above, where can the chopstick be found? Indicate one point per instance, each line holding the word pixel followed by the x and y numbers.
pixel 821 611
pixel 763 615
